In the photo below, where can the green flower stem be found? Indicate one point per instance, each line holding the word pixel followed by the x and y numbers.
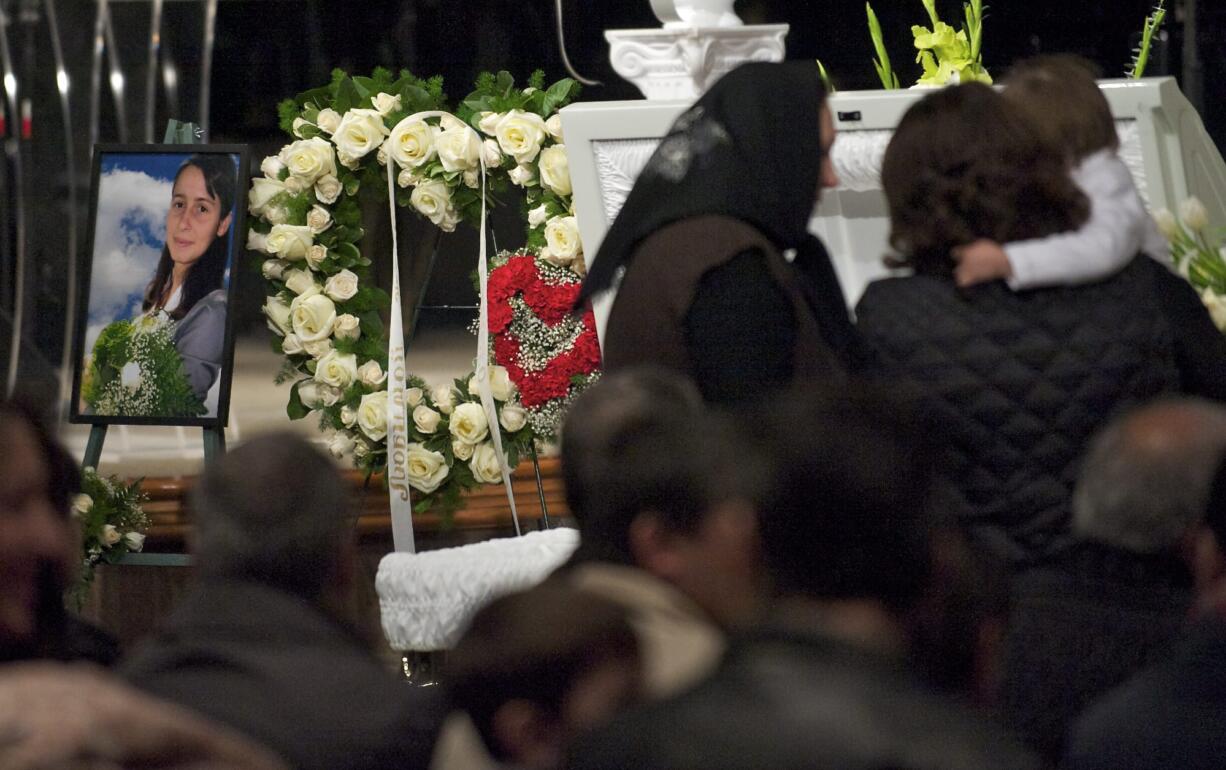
pixel 889 80
pixel 931 7
pixel 1152 23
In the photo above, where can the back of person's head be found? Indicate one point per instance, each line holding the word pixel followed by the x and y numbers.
pixel 966 164
pixel 273 511
pixel 37 541
pixel 1061 96
pixel 1146 476
pixel 845 512
pixel 636 441
pixel 536 667
pixel 1206 551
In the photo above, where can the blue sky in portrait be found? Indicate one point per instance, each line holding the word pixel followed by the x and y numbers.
pixel 134 191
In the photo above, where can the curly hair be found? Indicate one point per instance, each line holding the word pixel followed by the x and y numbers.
pixel 964 164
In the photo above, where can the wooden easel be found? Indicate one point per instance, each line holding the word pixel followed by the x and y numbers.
pixel 177 132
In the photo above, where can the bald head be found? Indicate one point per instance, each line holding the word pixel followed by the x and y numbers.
pixel 1145 479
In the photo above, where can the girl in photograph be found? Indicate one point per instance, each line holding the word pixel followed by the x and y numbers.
pixel 187 285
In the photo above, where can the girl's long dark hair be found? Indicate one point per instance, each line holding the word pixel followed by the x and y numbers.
pixel 206 274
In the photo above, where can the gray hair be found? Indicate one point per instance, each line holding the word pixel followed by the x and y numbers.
pixel 1145 479
pixel 273 511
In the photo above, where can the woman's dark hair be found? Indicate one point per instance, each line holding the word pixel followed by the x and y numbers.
pixel 220 179
pixel 965 164
pixel 63 475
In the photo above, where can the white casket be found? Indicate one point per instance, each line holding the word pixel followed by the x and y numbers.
pixel 1163 141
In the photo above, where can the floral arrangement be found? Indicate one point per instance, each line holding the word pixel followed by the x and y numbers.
pixel 1198 254
pixel 112 524
pixel 947 55
pixel 306 225
pixel 550 355
pixel 135 370
pixel 1140 58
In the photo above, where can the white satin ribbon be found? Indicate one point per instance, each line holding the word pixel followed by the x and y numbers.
pixel 397 410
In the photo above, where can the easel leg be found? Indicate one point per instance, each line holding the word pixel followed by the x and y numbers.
pixel 214 444
pixel 93 447
pixel 540 489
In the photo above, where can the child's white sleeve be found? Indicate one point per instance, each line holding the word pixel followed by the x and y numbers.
pixel 1109 239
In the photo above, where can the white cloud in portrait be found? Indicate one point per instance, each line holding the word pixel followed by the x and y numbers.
pixel 128 236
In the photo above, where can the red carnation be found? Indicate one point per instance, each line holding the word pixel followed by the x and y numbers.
pixel 500 314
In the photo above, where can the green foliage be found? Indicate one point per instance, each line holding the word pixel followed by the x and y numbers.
pixel 111 522
pixel 159 386
pixel 889 80
pixel 1153 22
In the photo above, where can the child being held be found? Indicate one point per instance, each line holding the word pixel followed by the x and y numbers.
pixel 1063 100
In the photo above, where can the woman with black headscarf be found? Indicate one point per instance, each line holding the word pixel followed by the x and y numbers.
pixel 723 280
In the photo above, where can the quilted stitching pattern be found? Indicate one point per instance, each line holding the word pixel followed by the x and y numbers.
pixel 1015 384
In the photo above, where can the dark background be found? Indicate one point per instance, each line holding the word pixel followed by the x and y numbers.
pixel 268 50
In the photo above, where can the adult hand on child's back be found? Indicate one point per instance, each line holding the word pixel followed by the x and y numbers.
pixel 980 261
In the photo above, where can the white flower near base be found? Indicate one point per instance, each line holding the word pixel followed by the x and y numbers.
pixel 459 149
pixel 359 132
pixel 500 384
pixel 290 241
pixel 520 135
pixel 562 242
pixel 110 535
pixel 433 200
pixel 337 369
pixel 484 464
pixel 82 504
pixel 468 423
pixel 372 415
pixel 134 540
pixel 1216 305
pixel 341 444
pixel 313 315
pixel 426 469
pixel 1193 214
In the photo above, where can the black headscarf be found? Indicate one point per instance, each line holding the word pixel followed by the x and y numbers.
pixel 750 148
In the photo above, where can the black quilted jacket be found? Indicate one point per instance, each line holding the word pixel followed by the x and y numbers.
pixel 1014 384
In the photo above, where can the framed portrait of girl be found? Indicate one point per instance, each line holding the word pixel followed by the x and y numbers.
pixel 154 341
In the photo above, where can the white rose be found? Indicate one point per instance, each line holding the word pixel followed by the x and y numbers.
pixel 1166 223
pixel 426 419
pixel 555 169
pixel 318 219
pixel 313 315
pixel 274 269
pixel 299 281
pixel 276 215
pixel 386 103
pixel 538 215
pixel 488 122
pixel 262 191
pixel 461 450
pixel 360 450
pixel 484 464
pixel 433 200
pixel 372 415
pixel 316 255
pixel 414 396
pixel 348 161
pixel 347 327
pixel 257 241
pixel 554 127
pixel 371 374
pixel 318 348
pixel 341 444
pixel 309 159
pixel 290 241
pixel 342 286
pixel 426 470
pixel 468 423
pixel 492 153
pixel 520 135
pixel 444 398
pixel 291 345
pixel 110 535
pixel 295 185
pixel 522 175
pixel 359 132
pixel 459 149
pixel 406 178
pixel 309 395
pixel 134 540
pixel 513 418
pixel 336 369
pixel 381 156
pixel 561 240
pixel 1216 305
pixel 472 179
pixel 448 122
pixel 328 120
pixel 278 314
pixel 500 383
pixel 82 503
pixel 412 142
pixel 272 166
pixel 1193 214
pixel 349 416
pixel 299 124
pixel 327 189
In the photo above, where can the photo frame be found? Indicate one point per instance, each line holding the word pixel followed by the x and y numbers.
pixel 154 343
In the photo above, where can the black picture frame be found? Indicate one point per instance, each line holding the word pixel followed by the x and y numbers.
pixel 161 154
